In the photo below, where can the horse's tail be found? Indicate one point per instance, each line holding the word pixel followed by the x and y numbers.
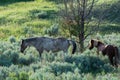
pixel 74 46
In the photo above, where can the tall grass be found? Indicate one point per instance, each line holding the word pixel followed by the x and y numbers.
pixel 59 65
pixel 33 18
pixel 36 15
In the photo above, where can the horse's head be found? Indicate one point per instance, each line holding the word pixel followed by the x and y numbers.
pixel 93 43
pixel 23 46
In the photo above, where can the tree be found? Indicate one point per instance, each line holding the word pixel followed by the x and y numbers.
pixel 76 17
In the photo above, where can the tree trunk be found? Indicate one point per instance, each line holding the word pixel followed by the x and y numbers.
pixel 77 12
pixel 81 35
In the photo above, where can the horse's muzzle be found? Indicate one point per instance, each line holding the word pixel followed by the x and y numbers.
pixel 90 48
pixel 21 51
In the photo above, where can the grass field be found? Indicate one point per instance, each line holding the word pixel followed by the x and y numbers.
pixel 17 17
pixel 27 18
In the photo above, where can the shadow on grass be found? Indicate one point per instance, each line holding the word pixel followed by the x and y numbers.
pixel 89 64
pixel 110 13
pixel 108 28
pixel 7 2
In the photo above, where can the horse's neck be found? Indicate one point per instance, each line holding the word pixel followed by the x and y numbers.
pixel 101 47
pixel 30 44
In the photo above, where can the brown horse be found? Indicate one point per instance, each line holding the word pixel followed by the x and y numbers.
pixel 109 50
pixel 48 44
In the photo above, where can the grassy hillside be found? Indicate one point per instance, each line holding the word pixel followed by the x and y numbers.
pixel 109 10
pixel 28 18
pixel 56 66
pixel 23 18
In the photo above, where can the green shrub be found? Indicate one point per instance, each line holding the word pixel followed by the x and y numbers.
pixel 23 75
pixel 48 56
pixel 17 73
pixel 71 76
pixel 53 30
pixel 38 14
pixel 12 39
pixel 4 72
pixel 28 31
pixel 42 15
pixel 42 76
pixel 35 66
pixel 12 76
pixel 89 64
pixel 26 59
pixel 56 66
pixel 107 77
pixel 59 68
pixel 8 57
pixel 3 20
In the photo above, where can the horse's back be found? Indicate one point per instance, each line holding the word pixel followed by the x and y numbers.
pixel 48 44
pixel 111 50
pixel 62 43
pixel 45 41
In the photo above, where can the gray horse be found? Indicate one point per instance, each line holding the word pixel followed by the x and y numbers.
pixel 48 44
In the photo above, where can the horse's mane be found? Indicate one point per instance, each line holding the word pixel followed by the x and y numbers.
pixel 31 39
pixel 100 43
pixel 61 38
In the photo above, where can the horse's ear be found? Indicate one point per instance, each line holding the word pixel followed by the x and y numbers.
pixel 92 41
pixel 22 40
pixel 99 43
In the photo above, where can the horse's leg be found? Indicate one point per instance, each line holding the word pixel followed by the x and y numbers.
pixel 40 52
pixel 116 56
pixel 97 52
pixel 116 65
pixel 111 60
pixel 40 55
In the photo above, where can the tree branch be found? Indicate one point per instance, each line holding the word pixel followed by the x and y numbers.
pixel 91 7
